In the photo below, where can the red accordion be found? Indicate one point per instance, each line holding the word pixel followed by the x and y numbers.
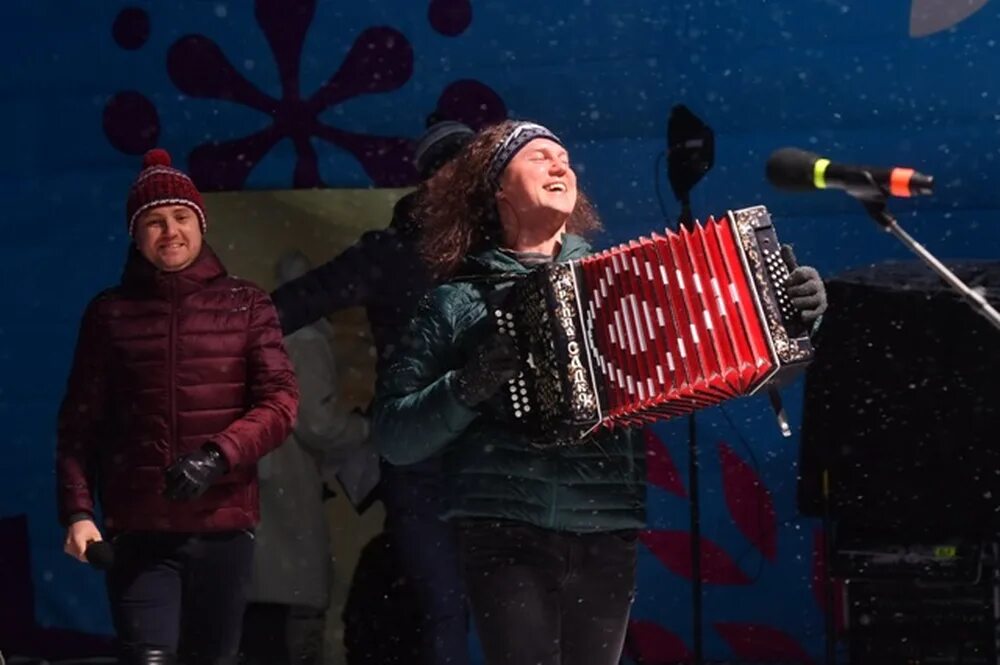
pixel 652 329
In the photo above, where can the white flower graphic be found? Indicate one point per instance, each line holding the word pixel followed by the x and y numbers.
pixel 930 16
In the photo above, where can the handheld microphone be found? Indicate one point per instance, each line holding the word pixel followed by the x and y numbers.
pixel 100 554
pixel 799 170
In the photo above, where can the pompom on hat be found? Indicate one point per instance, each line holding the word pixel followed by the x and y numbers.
pixel 159 184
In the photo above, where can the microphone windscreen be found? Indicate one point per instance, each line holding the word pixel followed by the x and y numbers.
pixel 100 554
pixel 792 168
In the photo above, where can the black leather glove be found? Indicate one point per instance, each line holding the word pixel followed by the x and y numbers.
pixel 805 288
pixel 493 363
pixel 192 474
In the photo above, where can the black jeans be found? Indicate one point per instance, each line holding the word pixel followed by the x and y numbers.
pixel 543 597
pixel 184 593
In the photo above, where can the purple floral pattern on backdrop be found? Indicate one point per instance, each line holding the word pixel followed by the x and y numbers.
pixel 450 17
pixel 131 123
pixel 379 61
pixel 471 102
pixel 129 120
pixel 131 28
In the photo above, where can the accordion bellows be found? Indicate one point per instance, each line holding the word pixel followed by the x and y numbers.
pixel 651 329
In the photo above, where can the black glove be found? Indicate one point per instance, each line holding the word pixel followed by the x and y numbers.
pixel 493 363
pixel 805 288
pixel 192 474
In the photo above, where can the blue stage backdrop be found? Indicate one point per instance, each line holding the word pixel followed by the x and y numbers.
pixel 276 94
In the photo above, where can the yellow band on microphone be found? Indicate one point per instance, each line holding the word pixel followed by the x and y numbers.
pixel 819 173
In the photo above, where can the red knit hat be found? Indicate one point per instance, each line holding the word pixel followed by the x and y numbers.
pixel 161 184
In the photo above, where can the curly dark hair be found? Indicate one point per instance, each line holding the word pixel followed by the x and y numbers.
pixel 458 211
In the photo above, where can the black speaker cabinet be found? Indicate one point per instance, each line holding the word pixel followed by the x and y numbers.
pixel 901 405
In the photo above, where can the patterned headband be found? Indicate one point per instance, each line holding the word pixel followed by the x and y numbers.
pixel 519 136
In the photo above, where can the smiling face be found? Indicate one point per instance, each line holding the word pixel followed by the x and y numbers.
pixel 169 236
pixel 539 179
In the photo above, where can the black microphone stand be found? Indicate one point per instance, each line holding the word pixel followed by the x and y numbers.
pixel 690 150
pixel 686 220
pixel 874 200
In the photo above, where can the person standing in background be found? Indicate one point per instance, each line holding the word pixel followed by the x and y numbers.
pixel 285 620
pixel 384 273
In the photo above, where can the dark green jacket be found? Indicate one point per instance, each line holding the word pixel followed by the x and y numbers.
pixel 492 470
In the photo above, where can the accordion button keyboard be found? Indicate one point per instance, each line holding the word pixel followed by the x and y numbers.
pixel 778 272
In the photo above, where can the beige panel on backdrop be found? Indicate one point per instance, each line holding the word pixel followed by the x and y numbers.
pixel 250 231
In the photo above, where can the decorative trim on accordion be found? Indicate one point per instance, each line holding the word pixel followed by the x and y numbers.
pixel 582 397
pixel 765 262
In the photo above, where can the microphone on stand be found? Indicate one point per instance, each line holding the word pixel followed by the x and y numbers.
pixel 799 170
pixel 100 554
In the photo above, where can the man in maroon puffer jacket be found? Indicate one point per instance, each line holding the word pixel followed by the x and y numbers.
pixel 179 384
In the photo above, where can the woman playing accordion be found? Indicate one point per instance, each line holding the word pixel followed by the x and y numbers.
pixel 547 533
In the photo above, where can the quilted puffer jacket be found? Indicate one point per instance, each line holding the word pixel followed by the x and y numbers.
pixel 492 469
pixel 166 362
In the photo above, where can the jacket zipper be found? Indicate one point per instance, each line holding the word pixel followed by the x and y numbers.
pixel 171 370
